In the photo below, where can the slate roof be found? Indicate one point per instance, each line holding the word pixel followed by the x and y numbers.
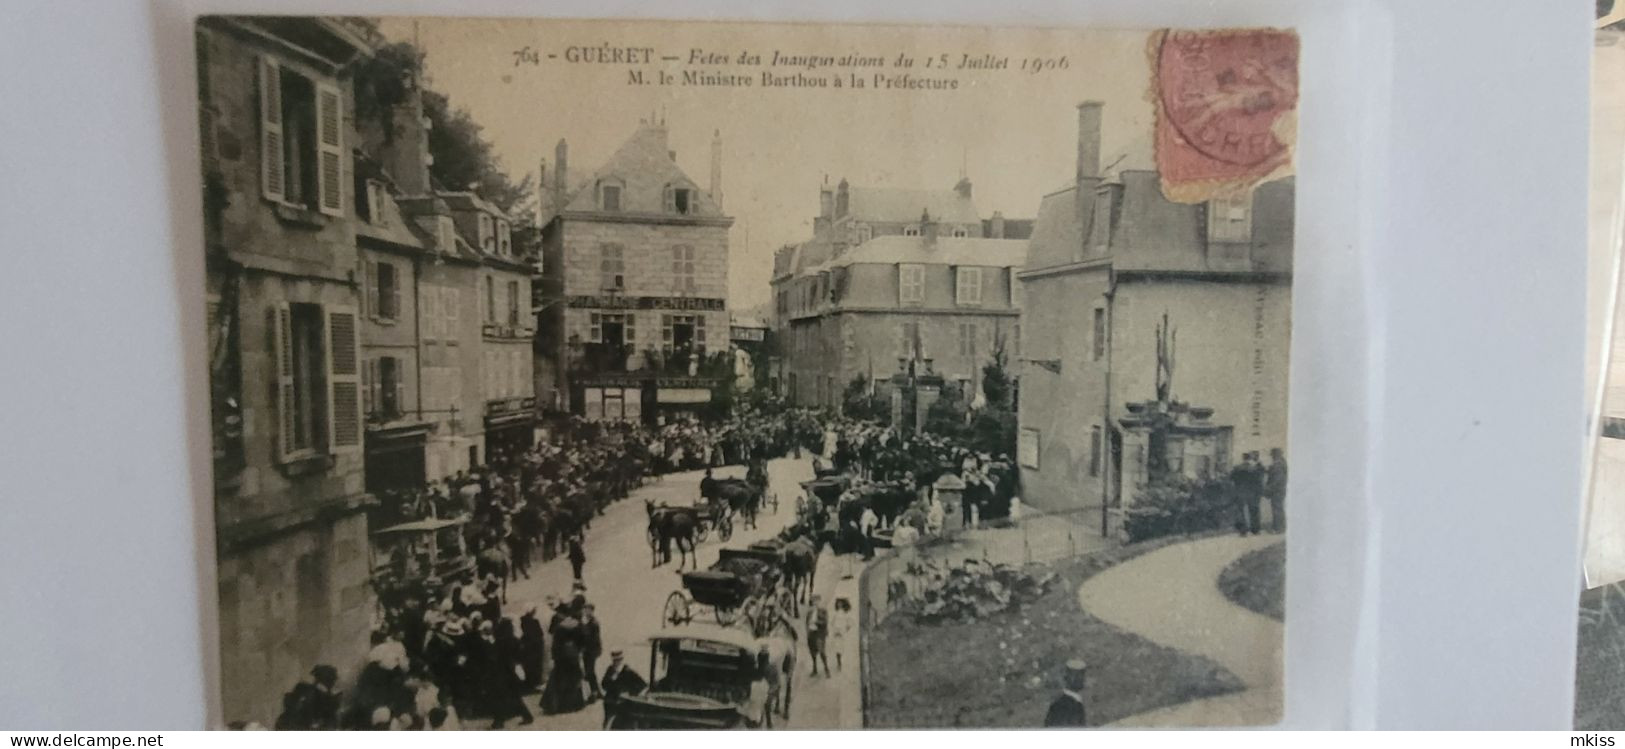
pixel 644 165
pixel 896 248
pixel 901 205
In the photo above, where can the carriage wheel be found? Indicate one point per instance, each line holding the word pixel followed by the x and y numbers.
pixel 676 611
pixel 700 532
pixel 787 602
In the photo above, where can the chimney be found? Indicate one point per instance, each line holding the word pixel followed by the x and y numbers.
pixel 1088 140
pixel 716 168
pixel 544 193
pixel 998 225
pixel 963 188
pixel 842 199
pixel 929 229
pixel 561 185
pixel 1088 172
pixel 406 155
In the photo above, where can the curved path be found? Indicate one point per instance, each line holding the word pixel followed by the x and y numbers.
pixel 1171 597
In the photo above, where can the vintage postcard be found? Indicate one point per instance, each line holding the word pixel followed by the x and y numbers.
pixel 1599 688
pixel 636 374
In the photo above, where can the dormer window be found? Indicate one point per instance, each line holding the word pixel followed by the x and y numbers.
pixel 504 239
pixel 488 235
pixel 376 194
pixel 912 230
pixel 679 200
pixel 960 232
pixel 1230 219
pixel 446 237
pixel 609 198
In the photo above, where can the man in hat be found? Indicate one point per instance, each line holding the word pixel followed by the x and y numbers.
pixel 1275 489
pixel 1067 709
pixel 1246 482
pixel 619 681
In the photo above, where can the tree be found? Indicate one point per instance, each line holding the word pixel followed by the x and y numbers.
pixel 463 158
pixel 859 403
pixel 996 381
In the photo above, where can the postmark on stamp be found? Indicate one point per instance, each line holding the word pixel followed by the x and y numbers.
pixel 1226 109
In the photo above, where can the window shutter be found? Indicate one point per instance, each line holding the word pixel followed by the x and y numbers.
pixel 671 200
pixel 369 379
pixel 429 321
pixel 400 386
pixel 450 301
pixel 330 149
pixel 282 342
pixel 632 330
pixel 369 288
pixel 395 308
pixel 273 179
pixel 344 397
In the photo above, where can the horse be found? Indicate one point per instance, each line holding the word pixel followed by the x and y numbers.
pixel 667 525
pixel 741 497
pixel 801 565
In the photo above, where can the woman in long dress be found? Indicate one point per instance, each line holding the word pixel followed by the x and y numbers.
pixel 564 693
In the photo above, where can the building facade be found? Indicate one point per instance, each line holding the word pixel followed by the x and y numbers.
pixel 285 318
pixel 635 276
pixel 1139 310
pixel 887 281
pixel 422 373
pixel 507 325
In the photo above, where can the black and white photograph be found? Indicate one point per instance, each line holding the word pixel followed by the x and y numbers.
pixel 578 375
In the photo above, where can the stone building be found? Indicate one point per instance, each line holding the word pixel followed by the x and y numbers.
pixel 425 422
pixel 1116 273
pixel 895 275
pixel 502 301
pixel 634 317
pixel 284 315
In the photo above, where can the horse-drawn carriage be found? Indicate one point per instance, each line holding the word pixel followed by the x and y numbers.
pixel 417 559
pixel 703 676
pixel 744 585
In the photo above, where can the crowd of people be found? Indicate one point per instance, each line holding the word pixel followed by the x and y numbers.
pixel 891 480
pixel 445 653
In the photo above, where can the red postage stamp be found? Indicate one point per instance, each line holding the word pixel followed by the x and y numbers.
pixel 1226 104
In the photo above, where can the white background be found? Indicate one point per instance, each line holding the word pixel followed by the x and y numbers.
pixel 1437 398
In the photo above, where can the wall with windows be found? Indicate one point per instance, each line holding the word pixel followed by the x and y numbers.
pixel 281 151
pixel 451 350
pixel 645 259
pixel 390 301
pixel 926 286
pixel 648 329
pixel 1063 388
pixel 1230 355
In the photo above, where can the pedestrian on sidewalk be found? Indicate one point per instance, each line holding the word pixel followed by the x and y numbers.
pixel 840 626
pixel 533 647
pixel 866 528
pixel 578 556
pixel 1275 489
pixel 1067 711
pixel 619 681
pixel 592 646
pixel 817 633
pixel 1246 485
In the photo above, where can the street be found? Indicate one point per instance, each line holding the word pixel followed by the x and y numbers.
pixel 629 594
